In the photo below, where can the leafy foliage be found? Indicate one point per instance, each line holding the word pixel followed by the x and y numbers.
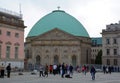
pixel 98 59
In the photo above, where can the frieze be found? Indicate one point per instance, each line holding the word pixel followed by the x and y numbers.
pixel 56 43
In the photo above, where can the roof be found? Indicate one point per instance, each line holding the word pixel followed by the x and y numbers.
pixel 61 20
pixel 97 41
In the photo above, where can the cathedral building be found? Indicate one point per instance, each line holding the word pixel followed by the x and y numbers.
pixel 58 38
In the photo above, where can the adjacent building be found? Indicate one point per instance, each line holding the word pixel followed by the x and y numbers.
pixel 11 38
pixel 95 48
pixel 111 45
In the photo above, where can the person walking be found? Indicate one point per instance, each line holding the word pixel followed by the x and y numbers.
pixel 41 71
pixel 93 71
pixel 46 71
pixel 8 68
pixel 104 69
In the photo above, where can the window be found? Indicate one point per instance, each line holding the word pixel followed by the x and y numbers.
pixel 94 42
pixel 0 50
pixel 115 51
pixel 107 41
pixel 108 62
pixel 16 35
pixel 28 55
pixel 16 52
pixel 8 33
pixel 114 41
pixel 7 51
pixel 115 62
pixel 0 32
pixel 108 51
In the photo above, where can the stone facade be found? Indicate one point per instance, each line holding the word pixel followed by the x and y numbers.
pixel 111 45
pixel 56 47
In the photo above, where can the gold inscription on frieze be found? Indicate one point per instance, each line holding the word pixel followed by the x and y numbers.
pixel 55 42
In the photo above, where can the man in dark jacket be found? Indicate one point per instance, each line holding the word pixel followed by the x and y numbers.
pixel 8 68
pixel 93 71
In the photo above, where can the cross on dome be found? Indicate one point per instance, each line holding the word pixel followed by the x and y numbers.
pixel 58 7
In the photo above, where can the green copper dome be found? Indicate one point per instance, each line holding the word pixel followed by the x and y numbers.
pixel 61 20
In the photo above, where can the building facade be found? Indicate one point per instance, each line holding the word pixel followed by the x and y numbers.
pixel 11 38
pixel 111 45
pixel 58 38
pixel 95 48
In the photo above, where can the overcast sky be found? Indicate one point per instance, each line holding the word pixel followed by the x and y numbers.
pixel 93 14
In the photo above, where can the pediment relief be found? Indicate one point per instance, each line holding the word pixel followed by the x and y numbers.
pixel 55 34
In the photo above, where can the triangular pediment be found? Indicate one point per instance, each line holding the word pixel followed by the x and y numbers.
pixel 56 34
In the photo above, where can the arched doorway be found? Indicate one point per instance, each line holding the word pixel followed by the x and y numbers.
pixel 47 60
pixel 74 60
pixel 56 59
pixel 38 60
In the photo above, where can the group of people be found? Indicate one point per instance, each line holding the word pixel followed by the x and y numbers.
pixel 85 69
pixel 67 70
pixel 109 69
pixel 2 70
pixel 62 69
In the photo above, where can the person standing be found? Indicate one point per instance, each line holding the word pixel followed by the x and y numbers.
pixel 104 69
pixel 54 69
pixel 8 68
pixel 71 69
pixel 2 71
pixel 93 71
pixel 109 69
pixel 63 70
pixel 50 69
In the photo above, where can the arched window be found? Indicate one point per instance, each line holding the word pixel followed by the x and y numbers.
pixel 74 61
pixel 56 59
pixel 47 59
pixel 108 61
pixel 115 62
pixel 38 60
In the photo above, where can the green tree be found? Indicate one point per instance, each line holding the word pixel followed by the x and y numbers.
pixel 98 59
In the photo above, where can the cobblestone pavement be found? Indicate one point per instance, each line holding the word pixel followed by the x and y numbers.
pixel 77 78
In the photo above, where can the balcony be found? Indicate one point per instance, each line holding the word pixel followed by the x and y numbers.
pixel 12 21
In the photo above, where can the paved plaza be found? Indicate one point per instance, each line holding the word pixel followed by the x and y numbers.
pixel 77 78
